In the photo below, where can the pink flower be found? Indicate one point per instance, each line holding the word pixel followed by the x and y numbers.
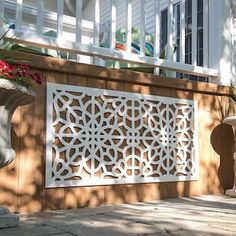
pixel 24 67
pixel 20 74
pixel 10 68
pixel 2 65
pixel 9 75
pixel 38 78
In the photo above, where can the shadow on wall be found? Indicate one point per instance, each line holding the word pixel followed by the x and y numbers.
pixel 222 140
pixel 22 182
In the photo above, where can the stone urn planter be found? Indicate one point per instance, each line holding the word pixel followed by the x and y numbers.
pixel 12 95
pixel 232 121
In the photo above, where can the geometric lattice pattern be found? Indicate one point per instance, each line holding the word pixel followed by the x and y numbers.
pixel 103 137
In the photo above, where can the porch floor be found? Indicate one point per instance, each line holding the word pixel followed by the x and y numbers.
pixel 204 215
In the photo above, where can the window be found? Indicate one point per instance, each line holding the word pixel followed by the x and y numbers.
pixel 200 33
pixel 188 31
pixel 188 35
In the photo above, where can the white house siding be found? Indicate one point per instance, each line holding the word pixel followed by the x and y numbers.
pixel 149 24
pixel 52 6
pixel 221 49
pixel 88 13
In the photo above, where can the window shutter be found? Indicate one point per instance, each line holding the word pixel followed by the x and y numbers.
pixel 164 29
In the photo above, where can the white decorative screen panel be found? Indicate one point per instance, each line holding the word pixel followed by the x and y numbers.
pixel 103 137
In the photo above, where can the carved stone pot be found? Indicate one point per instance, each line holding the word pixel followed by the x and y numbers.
pixel 232 121
pixel 12 95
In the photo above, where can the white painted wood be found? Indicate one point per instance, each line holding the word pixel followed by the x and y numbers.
pixel 91 50
pixel 96 61
pixel 40 14
pixel 50 18
pixel 113 25
pixel 150 16
pixel 157 29
pixel 136 9
pixel 175 26
pixel 96 21
pixel 60 12
pixel 142 27
pixel 68 46
pixel 19 14
pixel 205 32
pixel 105 11
pixel 182 31
pixel 121 13
pixel 128 25
pixel 194 33
pixel 90 141
pixel 79 5
pixel 170 29
pixel 157 38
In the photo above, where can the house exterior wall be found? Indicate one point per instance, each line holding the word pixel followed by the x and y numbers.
pixel 88 13
pixel 221 47
pixel 221 50
pixel 22 183
pixel 52 6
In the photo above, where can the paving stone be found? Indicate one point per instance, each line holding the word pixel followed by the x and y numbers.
pixel 4 210
pixel 205 216
pixel 63 234
pixel 30 230
pixel 8 220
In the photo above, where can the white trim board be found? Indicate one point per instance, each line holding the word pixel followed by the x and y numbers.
pixel 105 137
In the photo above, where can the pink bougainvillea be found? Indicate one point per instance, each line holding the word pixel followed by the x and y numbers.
pixel 19 73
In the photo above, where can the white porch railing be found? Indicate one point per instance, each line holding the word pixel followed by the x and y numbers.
pixel 80 37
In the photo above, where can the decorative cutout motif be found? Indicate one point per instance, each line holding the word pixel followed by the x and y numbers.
pixel 103 137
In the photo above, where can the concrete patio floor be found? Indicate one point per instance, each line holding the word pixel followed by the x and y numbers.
pixel 204 215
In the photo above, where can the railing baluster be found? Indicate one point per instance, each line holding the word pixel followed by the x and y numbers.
pixel 19 14
pixel 79 5
pixel 40 7
pixel 128 25
pixel 142 28
pixel 60 12
pixel 205 32
pixel 157 33
pixel 96 22
pixel 170 30
pixel 182 30
pixel 157 29
pixel 194 33
pixel 174 27
pixel 113 25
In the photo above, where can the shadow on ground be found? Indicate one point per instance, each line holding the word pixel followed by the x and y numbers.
pixel 206 215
